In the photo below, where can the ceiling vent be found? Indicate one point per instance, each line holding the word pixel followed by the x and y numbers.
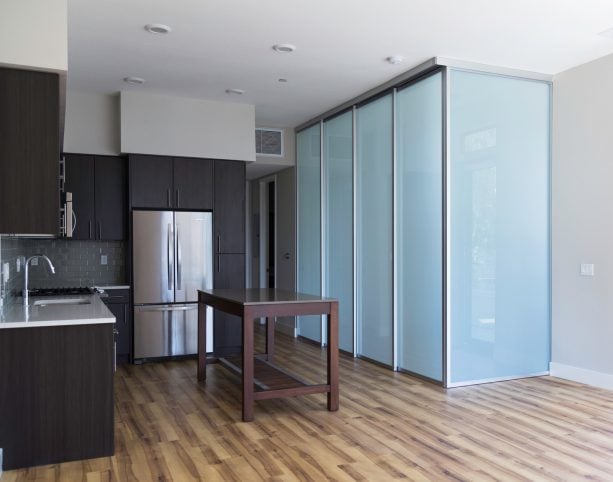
pixel 269 142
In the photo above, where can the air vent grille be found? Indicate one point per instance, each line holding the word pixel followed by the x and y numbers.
pixel 269 142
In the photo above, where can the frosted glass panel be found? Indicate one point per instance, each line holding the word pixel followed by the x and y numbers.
pixel 500 321
pixel 338 169
pixel 374 230
pixel 308 165
pixel 419 141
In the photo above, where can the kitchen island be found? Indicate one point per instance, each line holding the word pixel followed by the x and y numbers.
pixel 56 381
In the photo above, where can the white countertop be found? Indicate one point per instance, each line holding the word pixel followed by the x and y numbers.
pixel 18 316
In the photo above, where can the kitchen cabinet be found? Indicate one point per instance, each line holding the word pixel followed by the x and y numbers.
pixel 227 329
pixel 56 404
pixel 99 196
pixel 193 183
pixel 118 303
pixel 161 182
pixel 29 152
pixel 229 207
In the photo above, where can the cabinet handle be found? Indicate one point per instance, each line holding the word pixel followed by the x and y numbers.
pixel 168 197
pixel 90 229
pixel 100 230
pixel 218 243
pixel 218 263
pixel 178 199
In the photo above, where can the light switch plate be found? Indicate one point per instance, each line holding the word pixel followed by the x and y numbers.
pixel 103 259
pixel 587 269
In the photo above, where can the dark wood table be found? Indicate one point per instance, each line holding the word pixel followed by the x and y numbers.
pixel 261 378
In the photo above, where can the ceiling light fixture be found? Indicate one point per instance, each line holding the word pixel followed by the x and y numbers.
pixel 134 80
pixel 284 48
pixel 235 91
pixel 394 59
pixel 607 33
pixel 157 28
pixel 282 80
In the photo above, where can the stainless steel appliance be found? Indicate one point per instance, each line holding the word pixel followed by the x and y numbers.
pixel 172 257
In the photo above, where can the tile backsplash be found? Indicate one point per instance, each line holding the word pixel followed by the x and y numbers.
pixel 77 263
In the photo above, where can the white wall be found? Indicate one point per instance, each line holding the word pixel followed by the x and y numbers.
pixel 156 124
pixel 92 124
pixel 582 223
pixel 34 34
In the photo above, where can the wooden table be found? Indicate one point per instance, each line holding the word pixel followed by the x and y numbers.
pixel 261 379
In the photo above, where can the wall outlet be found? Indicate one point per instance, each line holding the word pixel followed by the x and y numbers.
pixel 34 262
pixel 103 259
pixel 587 269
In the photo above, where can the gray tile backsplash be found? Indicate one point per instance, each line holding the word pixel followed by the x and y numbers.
pixel 77 263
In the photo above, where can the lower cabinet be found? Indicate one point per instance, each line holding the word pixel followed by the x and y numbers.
pixel 227 329
pixel 56 395
pixel 118 303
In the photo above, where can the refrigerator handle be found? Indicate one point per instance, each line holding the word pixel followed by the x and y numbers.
pixel 170 249
pixel 178 259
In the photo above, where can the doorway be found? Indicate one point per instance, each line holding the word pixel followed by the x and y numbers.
pixel 268 232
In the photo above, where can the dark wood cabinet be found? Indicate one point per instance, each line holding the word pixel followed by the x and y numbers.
pixel 193 183
pixel 111 193
pixel 229 207
pixel 151 181
pixel 118 303
pixel 29 152
pixel 99 196
pixel 227 329
pixel 56 400
pixel 160 182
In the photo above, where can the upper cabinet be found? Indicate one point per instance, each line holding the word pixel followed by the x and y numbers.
pixel 99 195
pixel 160 182
pixel 229 210
pixel 29 152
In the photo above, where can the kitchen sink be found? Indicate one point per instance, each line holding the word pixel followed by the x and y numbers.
pixel 62 301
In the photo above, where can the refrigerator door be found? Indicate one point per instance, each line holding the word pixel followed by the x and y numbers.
pixel 165 330
pixel 153 249
pixel 194 254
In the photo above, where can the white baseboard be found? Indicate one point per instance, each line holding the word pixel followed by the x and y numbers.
pixel 581 375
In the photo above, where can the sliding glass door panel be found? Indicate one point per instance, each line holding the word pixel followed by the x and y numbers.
pixel 308 165
pixel 338 181
pixel 499 279
pixel 374 230
pixel 419 204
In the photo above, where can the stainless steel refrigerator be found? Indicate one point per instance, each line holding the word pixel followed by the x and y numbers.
pixel 172 258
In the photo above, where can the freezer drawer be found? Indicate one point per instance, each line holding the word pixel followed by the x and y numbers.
pixel 165 330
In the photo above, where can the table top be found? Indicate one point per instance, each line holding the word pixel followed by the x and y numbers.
pixel 265 296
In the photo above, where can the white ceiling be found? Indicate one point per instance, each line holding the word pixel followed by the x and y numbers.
pixel 341 45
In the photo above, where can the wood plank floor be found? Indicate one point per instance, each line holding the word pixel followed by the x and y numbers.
pixel 390 426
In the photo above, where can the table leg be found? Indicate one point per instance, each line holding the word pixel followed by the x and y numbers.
pixel 333 375
pixel 247 366
pixel 201 341
pixel 270 338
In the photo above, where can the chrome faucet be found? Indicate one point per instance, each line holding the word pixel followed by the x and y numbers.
pixel 26 267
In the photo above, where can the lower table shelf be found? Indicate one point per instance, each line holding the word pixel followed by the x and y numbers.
pixel 271 381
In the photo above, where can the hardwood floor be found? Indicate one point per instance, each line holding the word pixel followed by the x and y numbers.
pixel 390 426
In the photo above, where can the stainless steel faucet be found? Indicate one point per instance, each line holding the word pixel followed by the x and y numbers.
pixel 25 295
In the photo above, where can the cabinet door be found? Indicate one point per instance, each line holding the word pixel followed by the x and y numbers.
pixel 29 152
pixel 80 182
pixel 122 325
pixel 111 198
pixel 193 183
pixel 151 184
pixel 227 329
pixel 229 209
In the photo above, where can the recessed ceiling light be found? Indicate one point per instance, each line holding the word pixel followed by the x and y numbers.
pixel 157 28
pixel 284 48
pixel 282 80
pixel 394 59
pixel 235 91
pixel 134 80
pixel 607 33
